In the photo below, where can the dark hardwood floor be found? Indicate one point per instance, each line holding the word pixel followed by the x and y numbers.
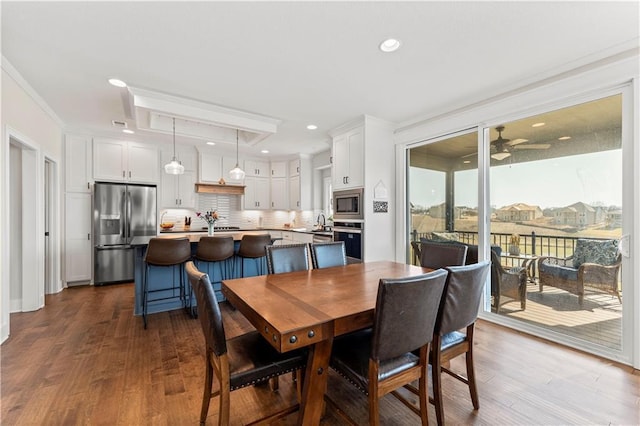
pixel 85 359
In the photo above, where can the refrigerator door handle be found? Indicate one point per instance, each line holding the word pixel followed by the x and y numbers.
pixel 128 216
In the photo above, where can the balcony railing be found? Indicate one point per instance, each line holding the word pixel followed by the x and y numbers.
pixel 530 244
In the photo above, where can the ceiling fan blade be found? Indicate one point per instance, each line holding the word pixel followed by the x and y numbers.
pixel 533 146
pixel 517 141
pixel 500 155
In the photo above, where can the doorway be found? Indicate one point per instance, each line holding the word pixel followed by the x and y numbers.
pixel 25 172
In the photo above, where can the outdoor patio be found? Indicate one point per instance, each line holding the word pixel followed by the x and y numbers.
pixel 598 320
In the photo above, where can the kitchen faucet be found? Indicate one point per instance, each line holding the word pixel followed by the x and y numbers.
pixel 324 221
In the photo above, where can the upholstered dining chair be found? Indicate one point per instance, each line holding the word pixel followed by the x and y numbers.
pixel 287 258
pixel 326 255
pixel 238 362
pixel 379 360
pixel 439 255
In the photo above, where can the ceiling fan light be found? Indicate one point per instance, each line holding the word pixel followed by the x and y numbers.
pixel 500 155
pixel 174 167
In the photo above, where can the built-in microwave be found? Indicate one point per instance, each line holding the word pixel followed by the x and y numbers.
pixel 348 204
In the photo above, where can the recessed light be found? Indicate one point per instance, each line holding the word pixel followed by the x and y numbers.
pixel 129 131
pixel 211 143
pixel 538 124
pixel 312 127
pixel 467 161
pixel 564 138
pixel 117 83
pixel 265 151
pixel 390 45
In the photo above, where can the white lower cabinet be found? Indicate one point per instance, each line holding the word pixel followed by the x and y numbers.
pixel 78 245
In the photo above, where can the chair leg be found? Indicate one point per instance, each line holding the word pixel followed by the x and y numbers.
pixel 206 395
pixel 374 399
pixel 471 376
pixel 423 387
pixel 436 374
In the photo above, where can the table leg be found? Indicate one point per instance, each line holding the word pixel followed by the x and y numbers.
pixel 315 383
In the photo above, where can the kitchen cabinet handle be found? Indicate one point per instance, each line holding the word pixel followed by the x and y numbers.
pixel 89 237
pixel 88 185
pixel 123 174
pixel 129 174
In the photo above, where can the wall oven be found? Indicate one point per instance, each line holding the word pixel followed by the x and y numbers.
pixel 351 232
pixel 348 204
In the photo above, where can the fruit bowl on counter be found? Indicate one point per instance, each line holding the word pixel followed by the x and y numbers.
pixel 166 225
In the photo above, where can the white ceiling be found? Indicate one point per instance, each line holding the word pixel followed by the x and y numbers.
pixel 300 62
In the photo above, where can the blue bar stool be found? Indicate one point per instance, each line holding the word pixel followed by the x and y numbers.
pixel 253 247
pixel 212 251
pixel 165 252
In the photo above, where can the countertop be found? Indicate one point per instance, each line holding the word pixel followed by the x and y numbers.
pixel 196 230
pixel 195 234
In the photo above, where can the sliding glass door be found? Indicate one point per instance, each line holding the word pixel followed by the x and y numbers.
pixel 553 221
pixel 556 212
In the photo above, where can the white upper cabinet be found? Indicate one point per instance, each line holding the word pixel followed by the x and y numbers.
pixel 254 168
pixel 294 167
pixel 348 159
pixel 279 169
pixel 125 161
pixel 210 168
pixel 300 187
pixel 77 164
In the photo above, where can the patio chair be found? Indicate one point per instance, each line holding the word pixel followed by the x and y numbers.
pixel 594 264
pixel 510 283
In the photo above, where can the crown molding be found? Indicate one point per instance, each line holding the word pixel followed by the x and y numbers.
pixel 24 85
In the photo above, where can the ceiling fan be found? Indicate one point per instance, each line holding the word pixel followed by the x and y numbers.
pixel 501 148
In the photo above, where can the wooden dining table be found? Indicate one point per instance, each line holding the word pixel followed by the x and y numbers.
pixel 308 309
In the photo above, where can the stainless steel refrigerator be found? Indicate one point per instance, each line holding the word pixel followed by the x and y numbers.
pixel 121 212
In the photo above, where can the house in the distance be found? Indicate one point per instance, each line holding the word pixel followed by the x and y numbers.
pixel 579 214
pixel 518 212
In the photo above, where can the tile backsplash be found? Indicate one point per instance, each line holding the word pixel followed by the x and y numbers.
pixel 230 210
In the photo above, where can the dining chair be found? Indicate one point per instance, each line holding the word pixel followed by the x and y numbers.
pixel 458 310
pixel 436 255
pixel 379 360
pixel 238 362
pixel 287 258
pixel 326 255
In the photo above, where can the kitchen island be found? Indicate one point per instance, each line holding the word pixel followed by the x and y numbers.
pixel 163 277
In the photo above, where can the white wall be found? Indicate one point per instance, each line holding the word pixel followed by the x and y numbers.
pixel 26 118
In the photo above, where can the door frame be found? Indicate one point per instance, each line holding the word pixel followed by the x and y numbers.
pixel 32 229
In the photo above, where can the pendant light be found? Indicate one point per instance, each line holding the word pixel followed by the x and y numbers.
pixel 236 173
pixel 174 167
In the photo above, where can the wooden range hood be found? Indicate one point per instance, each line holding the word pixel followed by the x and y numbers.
pixel 211 188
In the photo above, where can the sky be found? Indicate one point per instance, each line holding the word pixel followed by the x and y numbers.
pixel 594 178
